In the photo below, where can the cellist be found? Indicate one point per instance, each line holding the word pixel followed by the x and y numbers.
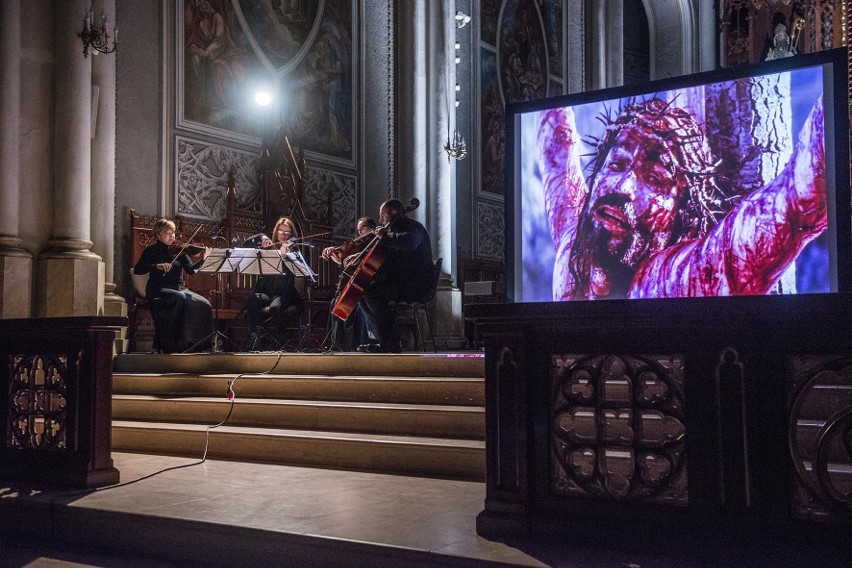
pixel 405 274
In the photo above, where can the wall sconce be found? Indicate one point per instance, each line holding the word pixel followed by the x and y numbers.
pixel 97 39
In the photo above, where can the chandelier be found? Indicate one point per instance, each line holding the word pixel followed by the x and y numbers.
pixel 455 148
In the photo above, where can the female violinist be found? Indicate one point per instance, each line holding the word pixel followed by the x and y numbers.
pixel 355 330
pixel 181 317
pixel 275 298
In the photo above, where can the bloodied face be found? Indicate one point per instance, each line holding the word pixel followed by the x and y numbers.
pixel 634 200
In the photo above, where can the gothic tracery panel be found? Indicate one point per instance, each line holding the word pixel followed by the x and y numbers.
pixel 38 399
pixel 202 179
pixel 617 428
pixel 492 226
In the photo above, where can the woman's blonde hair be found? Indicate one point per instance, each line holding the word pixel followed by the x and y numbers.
pixel 161 225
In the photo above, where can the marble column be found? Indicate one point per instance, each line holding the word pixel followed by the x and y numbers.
pixel 103 172
pixel 103 163
pixel 15 262
pixel 70 277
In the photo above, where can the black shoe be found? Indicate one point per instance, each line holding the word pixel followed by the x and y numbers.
pixel 370 348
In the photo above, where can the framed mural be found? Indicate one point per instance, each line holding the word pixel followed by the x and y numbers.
pixel 301 51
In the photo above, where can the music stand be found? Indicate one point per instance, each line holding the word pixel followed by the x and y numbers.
pixel 218 262
pixel 261 262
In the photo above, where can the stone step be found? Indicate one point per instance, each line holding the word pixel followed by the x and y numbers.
pixel 438 421
pixel 469 391
pixel 349 364
pixel 462 459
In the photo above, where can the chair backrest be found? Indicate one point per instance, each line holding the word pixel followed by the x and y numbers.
pixel 140 281
pixel 436 277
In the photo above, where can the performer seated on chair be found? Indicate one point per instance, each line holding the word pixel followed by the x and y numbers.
pixel 182 318
pixel 275 298
pixel 356 330
pixel 404 275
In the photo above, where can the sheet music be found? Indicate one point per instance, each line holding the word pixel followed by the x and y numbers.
pixel 257 261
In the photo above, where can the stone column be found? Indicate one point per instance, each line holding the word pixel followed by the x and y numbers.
pixel 70 276
pixel 103 163
pixel 103 171
pixel 15 263
pixel 424 37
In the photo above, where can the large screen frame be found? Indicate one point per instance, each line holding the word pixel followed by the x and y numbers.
pixel 835 102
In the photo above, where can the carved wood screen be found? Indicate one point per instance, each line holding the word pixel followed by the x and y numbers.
pixel 747 27
pixel 283 182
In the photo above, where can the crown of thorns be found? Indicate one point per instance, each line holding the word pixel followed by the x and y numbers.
pixel 684 150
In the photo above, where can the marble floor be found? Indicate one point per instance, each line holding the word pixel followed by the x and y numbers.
pixel 219 513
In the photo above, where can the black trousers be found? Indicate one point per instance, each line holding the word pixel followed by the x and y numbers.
pixel 182 318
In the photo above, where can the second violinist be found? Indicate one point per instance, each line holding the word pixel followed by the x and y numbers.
pixel 356 330
pixel 181 317
pixel 275 298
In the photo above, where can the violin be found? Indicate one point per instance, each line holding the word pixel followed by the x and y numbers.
pixel 190 249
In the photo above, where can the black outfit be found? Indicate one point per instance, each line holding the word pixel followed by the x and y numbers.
pixel 405 275
pixel 182 318
pixel 275 299
pixel 356 330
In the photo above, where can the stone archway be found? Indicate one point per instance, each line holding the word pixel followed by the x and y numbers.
pixel 672 25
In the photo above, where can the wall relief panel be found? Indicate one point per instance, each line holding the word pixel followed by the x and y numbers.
pixel 617 428
pixel 201 172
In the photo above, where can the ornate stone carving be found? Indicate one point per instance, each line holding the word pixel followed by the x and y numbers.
pixel 617 428
pixel 327 189
pixel 202 179
pixel 38 398
pixel 491 236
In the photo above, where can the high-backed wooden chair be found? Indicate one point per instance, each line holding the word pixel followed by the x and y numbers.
pixel 284 187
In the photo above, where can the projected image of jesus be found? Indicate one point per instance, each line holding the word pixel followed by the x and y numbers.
pixel 651 220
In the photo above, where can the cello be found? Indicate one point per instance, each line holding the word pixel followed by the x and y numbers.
pixel 369 261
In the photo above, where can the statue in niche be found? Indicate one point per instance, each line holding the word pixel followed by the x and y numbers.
pixel 782 44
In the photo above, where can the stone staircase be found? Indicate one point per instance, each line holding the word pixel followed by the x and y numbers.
pixel 413 414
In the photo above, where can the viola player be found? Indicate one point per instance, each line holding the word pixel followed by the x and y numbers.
pixel 347 335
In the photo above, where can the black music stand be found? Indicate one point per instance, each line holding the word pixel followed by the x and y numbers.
pixel 218 262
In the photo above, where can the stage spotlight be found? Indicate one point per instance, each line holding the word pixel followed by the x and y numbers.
pixel 263 98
